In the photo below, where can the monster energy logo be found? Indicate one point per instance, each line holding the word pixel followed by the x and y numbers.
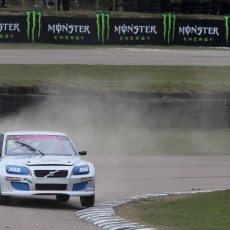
pixel 103 26
pixel 33 24
pixel 227 28
pixel 169 23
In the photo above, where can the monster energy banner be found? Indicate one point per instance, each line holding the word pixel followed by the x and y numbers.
pixel 202 33
pixel 102 29
pixel 12 29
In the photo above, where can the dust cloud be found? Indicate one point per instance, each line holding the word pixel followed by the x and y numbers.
pixel 100 125
pixel 105 125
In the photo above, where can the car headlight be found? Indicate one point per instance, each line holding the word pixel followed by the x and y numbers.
pixel 14 169
pixel 81 170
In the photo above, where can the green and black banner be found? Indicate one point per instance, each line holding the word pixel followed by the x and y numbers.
pixel 102 29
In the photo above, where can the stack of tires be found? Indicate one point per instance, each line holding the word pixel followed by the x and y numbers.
pixel 207 7
pixel 216 6
pixel 155 6
pixel 176 6
pixel 144 6
pixel 130 5
pixel 186 6
pixel 166 6
pixel 196 7
pixel 8 104
pixel 225 7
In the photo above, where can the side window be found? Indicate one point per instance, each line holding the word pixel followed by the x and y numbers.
pixel 1 143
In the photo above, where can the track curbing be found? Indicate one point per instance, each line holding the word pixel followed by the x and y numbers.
pixel 103 215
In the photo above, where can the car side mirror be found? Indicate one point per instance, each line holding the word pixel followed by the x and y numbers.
pixel 82 153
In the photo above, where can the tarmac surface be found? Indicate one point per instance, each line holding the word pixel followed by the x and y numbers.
pixel 117 56
pixel 119 176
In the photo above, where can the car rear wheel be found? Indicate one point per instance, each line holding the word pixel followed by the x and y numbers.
pixel 87 201
pixel 4 200
pixel 62 198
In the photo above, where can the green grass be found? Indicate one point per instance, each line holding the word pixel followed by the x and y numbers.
pixel 202 211
pixel 120 78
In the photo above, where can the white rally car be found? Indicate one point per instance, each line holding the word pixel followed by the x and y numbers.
pixel 44 163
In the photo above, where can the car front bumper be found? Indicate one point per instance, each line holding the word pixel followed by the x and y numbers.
pixel 29 185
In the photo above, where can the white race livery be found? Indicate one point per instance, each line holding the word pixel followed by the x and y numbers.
pixel 44 163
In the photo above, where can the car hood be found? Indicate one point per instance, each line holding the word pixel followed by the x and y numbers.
pixel 43 160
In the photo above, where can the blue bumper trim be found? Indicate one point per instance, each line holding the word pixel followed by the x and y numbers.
pixel 80 186
pixel 20 186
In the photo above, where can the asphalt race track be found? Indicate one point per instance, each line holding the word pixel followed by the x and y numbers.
pixel 119 176
pixel 117 56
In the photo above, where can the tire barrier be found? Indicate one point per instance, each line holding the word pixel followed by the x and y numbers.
pixel 8 103
pixel 225 7
pixel 155 6
pixel 216 7
pixel 130 5
pixel 166 6
pixel 196 7
pixel 13 103
pixel 207 7
pixel 144 6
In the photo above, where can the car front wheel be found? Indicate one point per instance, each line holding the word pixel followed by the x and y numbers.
pixel 87 201
pixel 62 198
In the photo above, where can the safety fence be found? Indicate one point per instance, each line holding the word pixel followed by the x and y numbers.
pixel 102 29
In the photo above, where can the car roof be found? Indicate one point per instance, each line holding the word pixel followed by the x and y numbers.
pixel 34 133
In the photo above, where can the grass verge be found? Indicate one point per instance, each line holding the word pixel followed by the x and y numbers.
pixel 130 78
pixel 201 211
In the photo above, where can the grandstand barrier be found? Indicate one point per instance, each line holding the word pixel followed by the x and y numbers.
pixel 102 29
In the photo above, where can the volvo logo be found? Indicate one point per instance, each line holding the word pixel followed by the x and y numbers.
pixel 51 174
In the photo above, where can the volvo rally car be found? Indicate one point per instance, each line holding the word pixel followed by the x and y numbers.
pixel 44 163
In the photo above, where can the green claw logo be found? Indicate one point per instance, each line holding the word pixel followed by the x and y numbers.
pixel 34 26
pixel 169 23
pixel 227 28
pixel 103 26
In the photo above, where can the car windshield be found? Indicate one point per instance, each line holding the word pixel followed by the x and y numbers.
pixel 39 145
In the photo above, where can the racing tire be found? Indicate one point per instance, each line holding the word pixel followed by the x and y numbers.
pixel 155 7
pixel 130 8
pixel 225 7
pixel 196 7
pixel 87 201
pixel 176 8
pixel 207 7
pixel 216 8
pixel 166 7
pixel 62 198
pixel 4 200
pixel 186 6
